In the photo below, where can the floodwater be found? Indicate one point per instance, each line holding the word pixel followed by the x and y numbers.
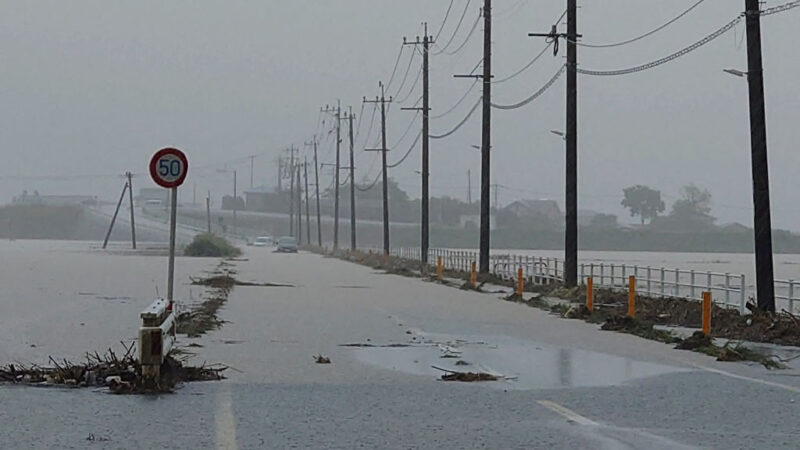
pixel 521 364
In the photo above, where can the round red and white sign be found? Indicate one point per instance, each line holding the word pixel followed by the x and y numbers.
pixel 168 167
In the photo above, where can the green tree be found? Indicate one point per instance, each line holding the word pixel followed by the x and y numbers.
pixel 694 202
pixel 642 201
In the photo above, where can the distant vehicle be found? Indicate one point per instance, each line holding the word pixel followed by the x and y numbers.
pixel 262 241
pixel 152 203
pixel 287 244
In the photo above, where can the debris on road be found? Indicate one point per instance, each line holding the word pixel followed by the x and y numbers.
pixel 319 359
pixel 466 377
pixel 121 375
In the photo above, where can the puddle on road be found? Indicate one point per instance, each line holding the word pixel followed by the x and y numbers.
pixel 530 365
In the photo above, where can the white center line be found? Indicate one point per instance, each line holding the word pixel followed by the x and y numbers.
pixel 753 380
pixel 226 423
pixel 567 413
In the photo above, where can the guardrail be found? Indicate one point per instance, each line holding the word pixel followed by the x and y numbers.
pixel 789 291
pixel 156 337
pixel 728 289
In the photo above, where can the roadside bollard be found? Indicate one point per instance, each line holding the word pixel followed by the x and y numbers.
pixel 631 296
pixel 156 336
pixel 590 294
pixel 473 279
pixel 707 313
pixel 439 268
pixel 520 282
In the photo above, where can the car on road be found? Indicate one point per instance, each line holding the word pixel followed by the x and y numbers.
pixel 287 244
pixel 262 241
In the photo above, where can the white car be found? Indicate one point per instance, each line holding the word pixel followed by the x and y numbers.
pixel 262 241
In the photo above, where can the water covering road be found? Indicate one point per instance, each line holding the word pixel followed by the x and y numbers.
pixel 565 383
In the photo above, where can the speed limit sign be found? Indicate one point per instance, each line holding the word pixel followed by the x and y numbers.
pixel 168 167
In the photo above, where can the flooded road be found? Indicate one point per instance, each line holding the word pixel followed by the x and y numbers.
pixel 565 383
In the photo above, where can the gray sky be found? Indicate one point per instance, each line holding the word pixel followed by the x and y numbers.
pixel 95 87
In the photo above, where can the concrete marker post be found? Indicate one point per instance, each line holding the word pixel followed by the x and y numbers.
pixel 520 282
pixel 590 294
pixel 439 268
pixel 473 279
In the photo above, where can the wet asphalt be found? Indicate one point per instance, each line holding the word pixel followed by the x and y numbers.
pixel 565 383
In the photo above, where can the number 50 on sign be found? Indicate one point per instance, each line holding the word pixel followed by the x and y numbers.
pixel 168 167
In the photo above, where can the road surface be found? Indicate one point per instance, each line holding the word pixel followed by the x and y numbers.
pixel 570 385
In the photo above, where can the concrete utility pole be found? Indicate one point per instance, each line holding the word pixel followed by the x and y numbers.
pixel 424 203
pixel 114 217
pixel 130 200
pixel 291 151
pixel 316 188
pixel 252 159
pixel 571 140
pixel 234 202
pixel 351 117
pixel 308 213
pixel 469 187
pixel 208 212
pixel 337 113
pixel 299 207
pixel 382 100
pixel 762 223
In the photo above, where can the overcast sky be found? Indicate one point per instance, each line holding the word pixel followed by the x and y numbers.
pixel 90 89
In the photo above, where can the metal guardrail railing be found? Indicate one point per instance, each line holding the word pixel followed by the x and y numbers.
pixel 156 337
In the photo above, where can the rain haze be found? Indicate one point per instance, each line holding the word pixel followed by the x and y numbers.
pixel 572 247
pixel 90 89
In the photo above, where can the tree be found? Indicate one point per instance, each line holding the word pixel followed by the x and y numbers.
pixel 694 202
pixel 643 202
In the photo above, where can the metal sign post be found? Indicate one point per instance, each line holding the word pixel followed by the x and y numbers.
pixel 168 167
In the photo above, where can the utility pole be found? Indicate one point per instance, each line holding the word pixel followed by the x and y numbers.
pixel 208 212
pixel 424 203
pixel 280 173
pixel 383 151
pixel 114 217
pixel 469 187
pixel 130 200
pixel 234 202
pixel 337 113
pixel 308 213
pixel 486 135
pixel 496 196
pixel 316 187
pixel 252 158
pixel 299 208
pixel 762 223
pixel 351 117
pixel 291 151
pixel 571 139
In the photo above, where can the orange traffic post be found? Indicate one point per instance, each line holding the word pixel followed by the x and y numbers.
pixel 631 296
pixel 520 282
pixel 590 294
pixel 707 313
pixel 474 277
pixel 439 268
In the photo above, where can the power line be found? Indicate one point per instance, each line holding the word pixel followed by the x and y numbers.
pixel 410 125
pixel 405 76
pixel 727 27
pixel 649 33
pixel 455 32
pixel 780 8
pixel 463 97
pixel 536 94
pixel 466 40
pixel 396 63
pixel 444 21
pixel 524 68
pixel 413 145
pixel 460 124
pixel 413 86
pixel 372 185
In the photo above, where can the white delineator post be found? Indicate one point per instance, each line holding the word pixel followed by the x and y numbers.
pixel 156 336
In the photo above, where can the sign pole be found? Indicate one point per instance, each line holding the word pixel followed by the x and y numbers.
pixel 172 219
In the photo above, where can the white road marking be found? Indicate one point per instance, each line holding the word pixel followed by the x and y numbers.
pixel 226 424
pixel 567 413
pixel 745 378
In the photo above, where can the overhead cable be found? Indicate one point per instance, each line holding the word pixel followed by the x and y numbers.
pixel 396 63
pixel 439 116
pixel 530 63
pixel 727 27
pixel 413 145
pixel 649 33
pixel 455 32
pixel 372 185
pixel 536 94
pixel 460 124
pixel 405 76
pixel 444 21
pixel 411 91
pixel 469 35
pixel 780 8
